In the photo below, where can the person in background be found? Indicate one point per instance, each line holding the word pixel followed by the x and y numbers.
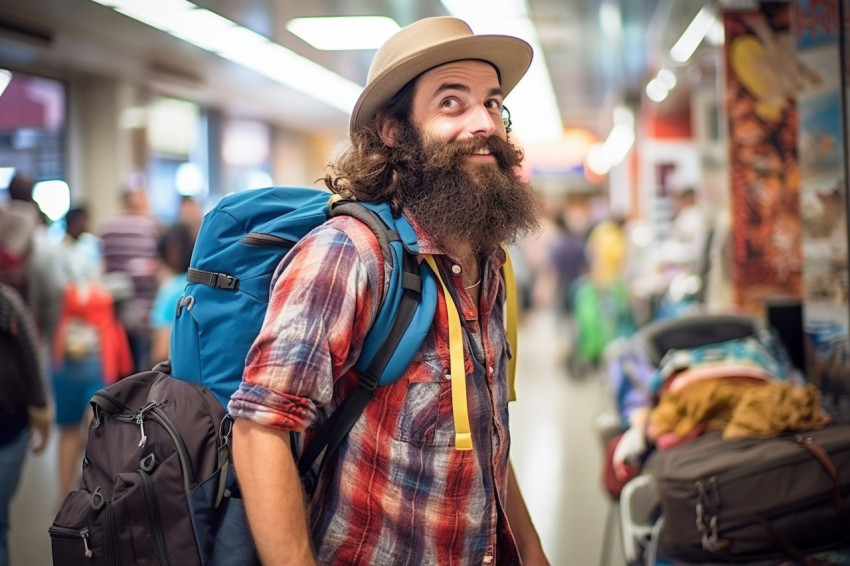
pixel 90 348
pixel 175 250
pixel 429 133
pixel 684 250
pixel 129 251
pixel 683 257
pixel 190 213
pixel 25 411
pixel 27 259
pixel 566 263
pixel 602 303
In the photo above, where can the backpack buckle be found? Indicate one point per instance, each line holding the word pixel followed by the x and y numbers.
pixel 224 281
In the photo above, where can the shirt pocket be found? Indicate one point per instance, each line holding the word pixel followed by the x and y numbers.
pixel 426 416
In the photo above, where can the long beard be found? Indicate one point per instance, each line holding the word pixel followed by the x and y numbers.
pixel 485 205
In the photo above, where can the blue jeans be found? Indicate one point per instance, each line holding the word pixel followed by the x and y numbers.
pixel 12 457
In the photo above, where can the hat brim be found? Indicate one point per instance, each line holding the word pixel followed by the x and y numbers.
pixel 510 55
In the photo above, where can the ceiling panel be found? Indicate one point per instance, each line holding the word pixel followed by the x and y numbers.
pixel 592 67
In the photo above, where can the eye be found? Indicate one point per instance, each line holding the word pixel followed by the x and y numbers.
pixel 494 104
pixel 449 103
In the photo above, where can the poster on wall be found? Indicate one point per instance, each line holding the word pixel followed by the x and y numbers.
pixel 823 198
pixel 765 232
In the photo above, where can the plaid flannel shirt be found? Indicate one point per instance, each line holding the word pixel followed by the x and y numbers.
pixel 398 491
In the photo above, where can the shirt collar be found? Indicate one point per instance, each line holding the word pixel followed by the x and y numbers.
pixel 427 246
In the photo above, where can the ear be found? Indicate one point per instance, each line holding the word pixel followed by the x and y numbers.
pixel 386 128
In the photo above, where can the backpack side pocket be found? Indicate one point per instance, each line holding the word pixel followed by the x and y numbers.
pixel 83 532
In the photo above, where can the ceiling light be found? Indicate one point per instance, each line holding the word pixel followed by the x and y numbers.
pixel 667 78
pixel 693 35
pixel 53 198
pixel 656 90
pixel 344 33
pixel 212 32
pixel 5 79
pixel 611 20
pixel 716 34
pixel 603 156
pixel 534 108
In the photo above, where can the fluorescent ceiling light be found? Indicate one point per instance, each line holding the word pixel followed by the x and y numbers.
pixel 656 90
pixel 716 34
pixel 5 79
pixel 344 32
pixel 53 198
pixel 667 78
pixel 693 35
pixel 221 36
pixel 611 20
pixel 534 109
pixel 603 156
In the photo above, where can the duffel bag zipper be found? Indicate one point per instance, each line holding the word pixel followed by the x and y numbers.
pixel 793 457
pixel 716 480
pixel 153 516
pixel 260 239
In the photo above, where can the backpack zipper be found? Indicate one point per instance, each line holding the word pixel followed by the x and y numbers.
pixel 158 415
pixel 154 412
pixel 111 537
pixel 153 516
pixel 72 534
pixel 261 239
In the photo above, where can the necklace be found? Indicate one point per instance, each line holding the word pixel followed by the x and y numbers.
pixel 474 285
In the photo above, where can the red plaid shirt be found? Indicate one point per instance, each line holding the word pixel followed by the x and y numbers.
pixel 399 492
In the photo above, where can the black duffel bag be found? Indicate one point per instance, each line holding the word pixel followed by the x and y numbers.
pixel 754 499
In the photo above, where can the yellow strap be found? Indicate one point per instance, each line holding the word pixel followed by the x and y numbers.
pixel 511 322
pixel 463 436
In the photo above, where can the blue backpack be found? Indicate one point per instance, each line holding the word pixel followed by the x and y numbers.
pixel 239 245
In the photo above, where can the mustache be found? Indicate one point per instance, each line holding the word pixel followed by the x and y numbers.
pixel 446 153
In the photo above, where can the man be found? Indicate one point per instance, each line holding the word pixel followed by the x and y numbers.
pixel 427 134
pixel 130 256
pixel 25 409
pixel 27 258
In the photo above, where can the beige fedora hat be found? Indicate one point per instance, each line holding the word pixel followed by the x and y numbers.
pixel 429 43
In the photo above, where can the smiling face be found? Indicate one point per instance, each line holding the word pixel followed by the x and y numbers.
pixel 458 101
pixel 455 170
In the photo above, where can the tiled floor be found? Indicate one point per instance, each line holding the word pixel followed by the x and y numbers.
pixel 556 455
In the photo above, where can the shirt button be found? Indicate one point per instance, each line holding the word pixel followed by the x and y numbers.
pixel 488 560
pixel 456 269
pixel 490 370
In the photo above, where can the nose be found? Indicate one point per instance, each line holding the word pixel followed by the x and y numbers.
pixel 482 122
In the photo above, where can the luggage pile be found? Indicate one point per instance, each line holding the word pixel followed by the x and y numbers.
pixel 745 465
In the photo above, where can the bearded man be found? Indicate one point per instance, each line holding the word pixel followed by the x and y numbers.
pixel 427 135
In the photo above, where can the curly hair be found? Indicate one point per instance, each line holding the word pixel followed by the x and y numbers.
pixel 365 170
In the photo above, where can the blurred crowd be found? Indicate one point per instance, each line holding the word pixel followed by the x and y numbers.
pixel 101 301
pixel 605 275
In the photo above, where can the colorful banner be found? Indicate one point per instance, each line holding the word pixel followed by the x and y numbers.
pixel 761 82
pixel 823 196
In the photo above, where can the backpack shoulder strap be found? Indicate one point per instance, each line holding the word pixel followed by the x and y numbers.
pixel 390 345
pixel 511 321
pixel 416 285
pixel 460 411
